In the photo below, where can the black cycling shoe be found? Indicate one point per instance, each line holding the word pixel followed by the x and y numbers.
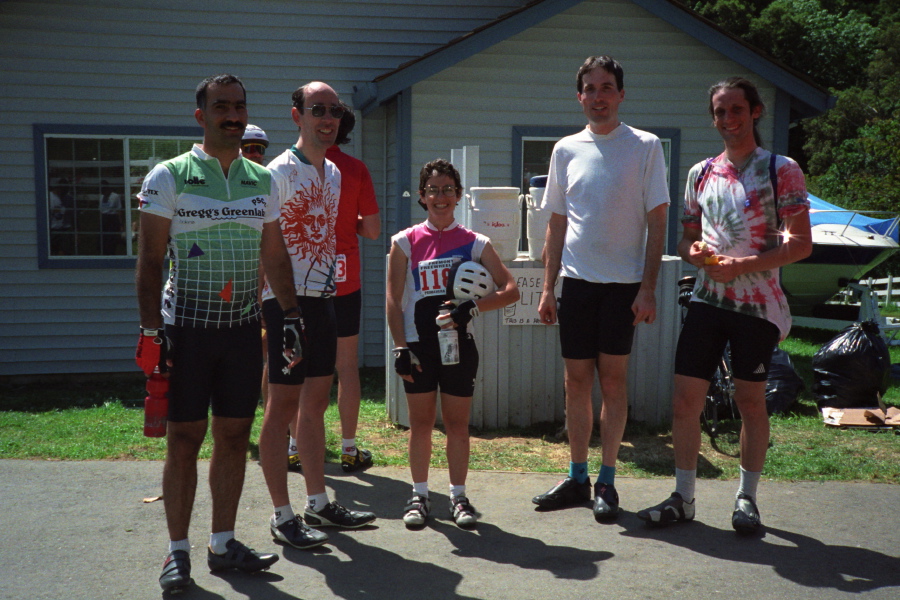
pixel 745 518
pixel 356 462
pixel 567 492
pixel 606 502
pixel 335 515
pixel 295 533
pixel 176 572
pixel 240 557
pixel 294 465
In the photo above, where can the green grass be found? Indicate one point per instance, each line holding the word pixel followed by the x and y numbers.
pixel 64 418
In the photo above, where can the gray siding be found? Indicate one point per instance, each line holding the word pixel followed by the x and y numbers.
pixel 94 62
pixel 529 79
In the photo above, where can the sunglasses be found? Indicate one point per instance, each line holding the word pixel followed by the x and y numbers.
pixel 254 149
pixel 447 190
pixel 318 110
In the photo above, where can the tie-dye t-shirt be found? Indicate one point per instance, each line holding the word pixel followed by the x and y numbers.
pixel 735 211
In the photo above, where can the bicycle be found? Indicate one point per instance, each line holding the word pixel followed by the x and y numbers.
pixel 719 405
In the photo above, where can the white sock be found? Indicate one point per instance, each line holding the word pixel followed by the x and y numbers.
pixel 348 446
pixel 685 481
pixel 421 489
pixel 457 490
pixel 184 544
pixel 317 502
pixel 749 483
pixel 283 514
pixel 292 446
pixel 218 541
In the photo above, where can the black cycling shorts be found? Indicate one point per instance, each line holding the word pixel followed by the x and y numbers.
pixel 320 349
pixel 596 318
pixel 347 310
pixel 456 380
pixel 214 367
pixel 706 331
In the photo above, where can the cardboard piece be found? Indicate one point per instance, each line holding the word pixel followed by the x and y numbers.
pixel 862 417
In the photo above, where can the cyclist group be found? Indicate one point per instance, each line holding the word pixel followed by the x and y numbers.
pixel 608 199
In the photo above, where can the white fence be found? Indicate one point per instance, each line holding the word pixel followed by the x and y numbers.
pixel 886 290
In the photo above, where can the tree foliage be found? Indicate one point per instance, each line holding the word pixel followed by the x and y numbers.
pixel 852 47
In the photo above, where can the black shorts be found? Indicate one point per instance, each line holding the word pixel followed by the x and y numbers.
pixel 218 367
pixel 596 318
pixel 320 349
pixel 706 331
pixel 347 310
pixel 456 380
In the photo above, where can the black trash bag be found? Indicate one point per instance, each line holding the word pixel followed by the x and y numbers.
pixel 783 385
pixel 852 369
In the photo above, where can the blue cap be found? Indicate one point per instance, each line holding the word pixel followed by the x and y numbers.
pixel 539 181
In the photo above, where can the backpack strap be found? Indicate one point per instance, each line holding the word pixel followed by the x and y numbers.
pixel 773 179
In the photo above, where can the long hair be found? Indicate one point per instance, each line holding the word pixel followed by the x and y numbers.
pixel 751 93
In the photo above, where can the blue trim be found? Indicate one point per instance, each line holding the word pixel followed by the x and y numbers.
pixel 669 133
pixel 39 131
pixel 404 159
pixel 782 117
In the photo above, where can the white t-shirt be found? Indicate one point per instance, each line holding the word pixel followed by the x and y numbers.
pixel 605 185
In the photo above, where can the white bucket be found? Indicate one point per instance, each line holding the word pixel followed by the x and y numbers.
pixel 494 212
pixel 536 227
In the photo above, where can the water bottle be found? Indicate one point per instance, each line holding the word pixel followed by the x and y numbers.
pixel 448 339
pixel 156 405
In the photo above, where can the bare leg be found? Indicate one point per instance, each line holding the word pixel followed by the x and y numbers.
pixel 687 404
pixel 613 371
pixel 422 413
pixel 280 411
pixel 579 411
pixel 347 366
pixel 455 413
pixel 750 397
pixel 310 430
pixel 179 484
pixel 226 469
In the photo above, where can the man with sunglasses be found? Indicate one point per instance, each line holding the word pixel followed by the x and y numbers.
pixel 608 198
pixel 254 144
pixel 309 188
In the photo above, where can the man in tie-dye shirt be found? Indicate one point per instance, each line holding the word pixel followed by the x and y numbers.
pixel 746 214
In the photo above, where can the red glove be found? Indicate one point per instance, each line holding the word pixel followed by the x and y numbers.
pixel 152 351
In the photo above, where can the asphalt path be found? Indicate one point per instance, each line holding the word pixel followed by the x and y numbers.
pixel 82 531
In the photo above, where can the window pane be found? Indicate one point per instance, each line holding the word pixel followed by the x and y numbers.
pixel 92 184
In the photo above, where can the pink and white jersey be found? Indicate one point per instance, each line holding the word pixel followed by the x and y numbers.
pixel 432 253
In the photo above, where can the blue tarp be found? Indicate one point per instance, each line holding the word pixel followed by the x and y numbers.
pixel 820 214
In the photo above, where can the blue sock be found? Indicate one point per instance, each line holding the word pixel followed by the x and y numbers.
pixel 578 471
pixel 607 475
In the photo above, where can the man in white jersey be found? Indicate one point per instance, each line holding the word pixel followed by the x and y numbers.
pixel 608 198
pixel 210 212
pixel 309 189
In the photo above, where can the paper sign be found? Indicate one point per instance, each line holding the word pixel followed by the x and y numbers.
pixel 531 284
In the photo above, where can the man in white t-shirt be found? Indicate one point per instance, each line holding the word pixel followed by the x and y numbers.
pixel 608 198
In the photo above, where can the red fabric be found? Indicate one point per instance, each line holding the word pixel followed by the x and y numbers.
pixel 357 199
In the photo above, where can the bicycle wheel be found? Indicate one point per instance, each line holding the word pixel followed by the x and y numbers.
pixel 719 405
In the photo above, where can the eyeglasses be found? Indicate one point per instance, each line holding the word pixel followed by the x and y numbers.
pixel 254 149
pixel 447 190
pixel 318 110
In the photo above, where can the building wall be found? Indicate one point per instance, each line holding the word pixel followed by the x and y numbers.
pixel 136 64
pixel 529 80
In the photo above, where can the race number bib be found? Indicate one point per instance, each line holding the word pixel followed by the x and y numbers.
pixel 433 276
pixel 340 268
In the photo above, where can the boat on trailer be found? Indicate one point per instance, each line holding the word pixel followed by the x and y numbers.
pixel 847 244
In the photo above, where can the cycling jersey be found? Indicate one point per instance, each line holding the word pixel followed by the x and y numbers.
pixel 214 237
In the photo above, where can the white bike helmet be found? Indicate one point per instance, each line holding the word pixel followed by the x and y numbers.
pixel 469 281
pixel 254 134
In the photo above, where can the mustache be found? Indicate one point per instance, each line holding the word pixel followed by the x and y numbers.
pixel 231 124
